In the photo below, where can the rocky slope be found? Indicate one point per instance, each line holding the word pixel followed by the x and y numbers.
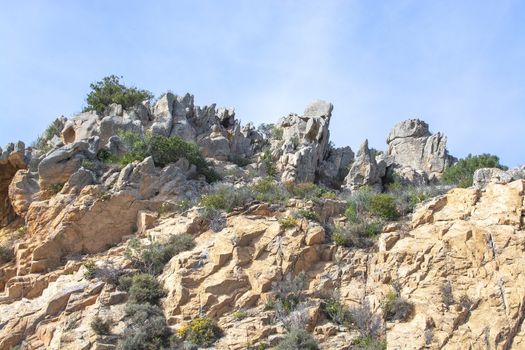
pixel 68 215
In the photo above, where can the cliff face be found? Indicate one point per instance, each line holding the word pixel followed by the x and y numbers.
pixel 270 263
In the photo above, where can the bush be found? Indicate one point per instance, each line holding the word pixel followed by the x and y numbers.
pixel 288 222
pixel 359 234
pixel 461 173
pixel 267 162
pixel 268 190
pixel 6 254
pixel 91 269
pixel 298 339
pixel 153 257
pixel 368 324
pixel 397 308
pixel 308 214
pixel 201 331
pixel 109 90
pixel 239 161
pixel 384 206
pixel 164 150
pixel 146 328
pixel 101 326
pixel 307 190
pixel 337 312
pixel 408 196
pixel 55 188
pixel 289 293
pixel 145 289
pixel 368 343
pixel 239 314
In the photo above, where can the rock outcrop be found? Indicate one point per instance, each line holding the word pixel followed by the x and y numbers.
pixel 12 158
pixel 365 171
pixel 304 142
pixel 411 144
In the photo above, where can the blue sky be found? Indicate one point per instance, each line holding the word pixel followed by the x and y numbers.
pixel 459 65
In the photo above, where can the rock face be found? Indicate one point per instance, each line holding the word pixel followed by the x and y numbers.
pixel 12 158
pixel 364 171
pixel 411 144
pixel 484 176
pixel 304 142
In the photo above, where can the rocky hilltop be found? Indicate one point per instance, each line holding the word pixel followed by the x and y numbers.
pixel 169 225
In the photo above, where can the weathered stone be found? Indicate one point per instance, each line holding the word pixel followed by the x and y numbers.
pixel 364 171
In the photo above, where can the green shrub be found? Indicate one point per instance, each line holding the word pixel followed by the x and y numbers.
pixel 146 328
pixel 153 257
pixel 6 254
pixel 268 190
pixel 277 133
pixel 337 312
pixel 298 339
pixel 407 197
pixel 368 343
pixel 109 90
pixel 288 222
pixel 91 269
pixel 461 173
pixel 356 234
pixel 101 326
pixel 396 308
pixel 268 163
pixel 239 314
pixel 145 289
pixel 239 161
pixel 308 214
pixel 384 206
pixel 308 190
pixel 201 331
pixel 164 150
pixel 124 282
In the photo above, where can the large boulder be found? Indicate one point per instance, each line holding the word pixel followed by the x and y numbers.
pixel 484 176
pixel 364 171
pixel 334 169
pixel 59 165
pixel 411 144
pixel 304 143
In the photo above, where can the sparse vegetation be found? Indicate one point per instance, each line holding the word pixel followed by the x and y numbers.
pixel 368 343
pixel 153 257
pixel 239 314
pixel 42 142
pixel 308 190
pixel 201 331
pixel 101 326
pixel 55 188
pixel 298 339
pixel 110 90
pixel 90 269
pixel 396 308
pixel 289 293
pixel 267 162
pixel 359 235
pixel 461 173
pixel 337 312
pixel 369 326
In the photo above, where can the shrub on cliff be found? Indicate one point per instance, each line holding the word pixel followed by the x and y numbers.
pixel 153 257
pixel 298 339
pixel 110 90
pixel 461 173
pixel 146 328
pixel 201 331
pixel 164 150
pixel 145 289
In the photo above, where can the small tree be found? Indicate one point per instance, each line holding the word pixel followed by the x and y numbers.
pixel 109 90
pixel 461 173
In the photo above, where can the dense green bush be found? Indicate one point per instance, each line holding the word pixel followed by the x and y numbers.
pixel 396 308
pixel 383 205
pixel 145 289
pixel 110 90
pixel 461 173
pixel 201 331
pixel 164 150
pixel 101 326
pixel 308 214
pixel 298 339
pixel 146 328
pixel 153 257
